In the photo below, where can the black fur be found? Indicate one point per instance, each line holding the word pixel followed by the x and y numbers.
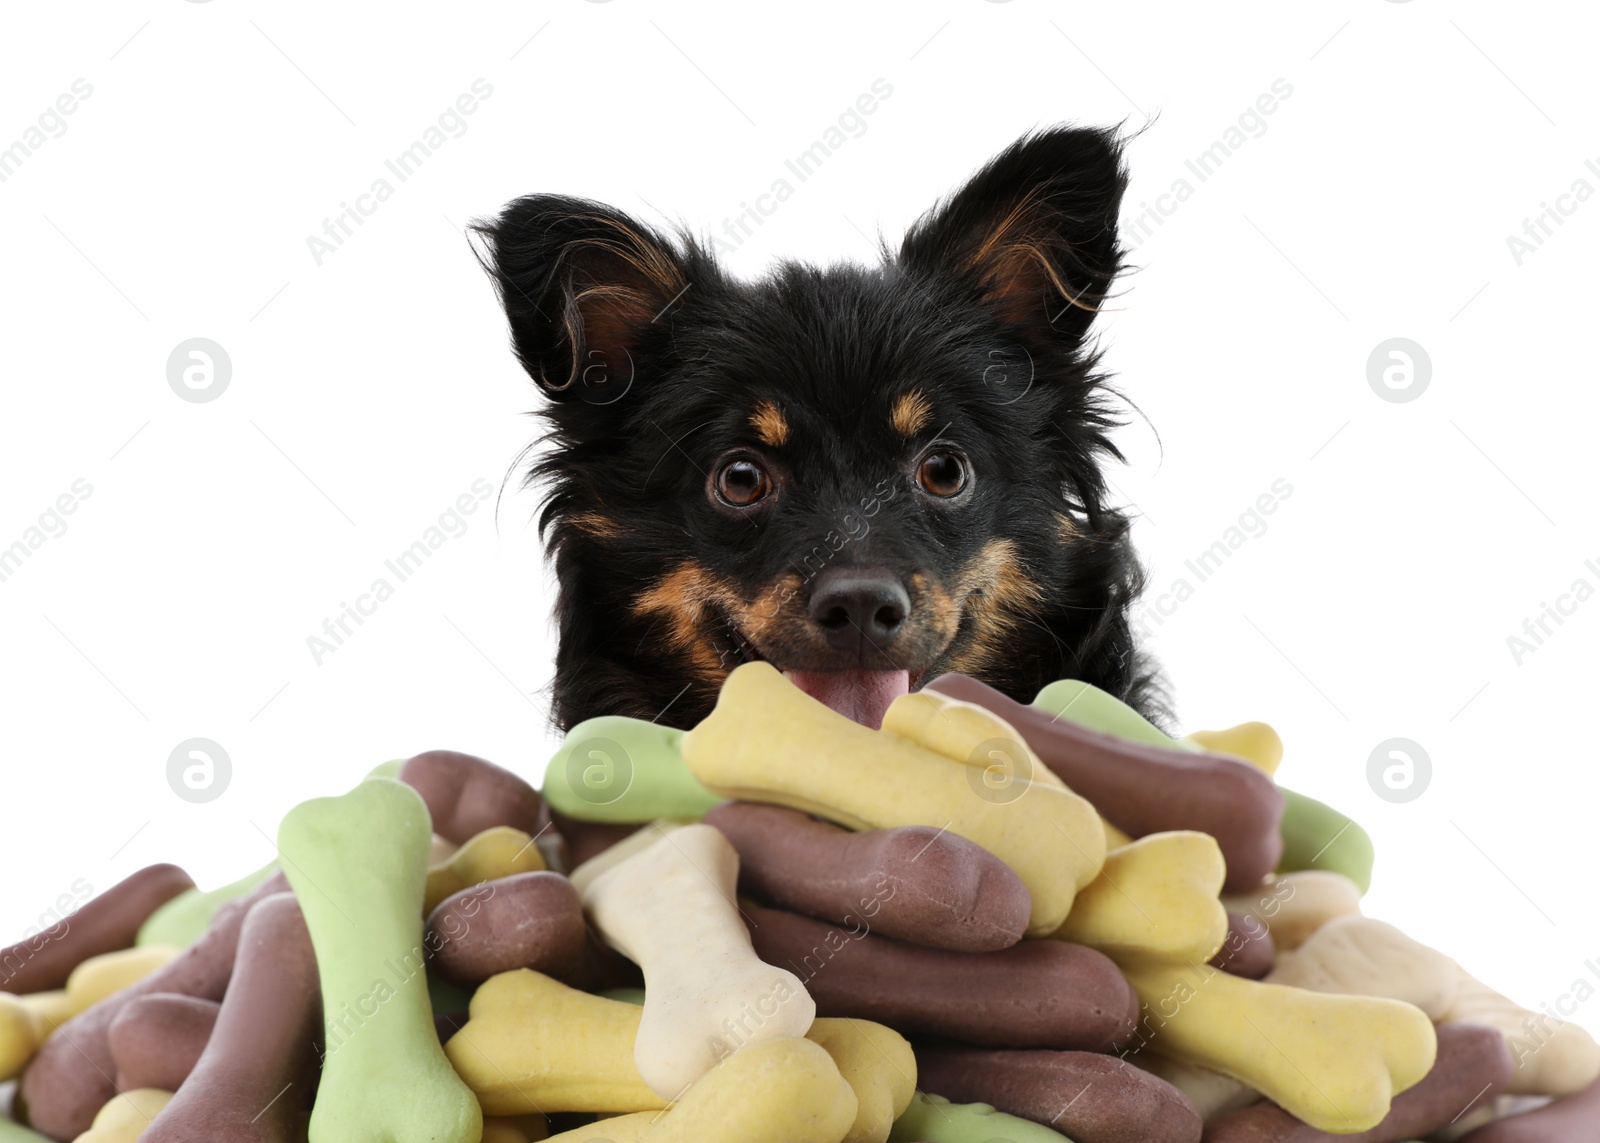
pixel 653 360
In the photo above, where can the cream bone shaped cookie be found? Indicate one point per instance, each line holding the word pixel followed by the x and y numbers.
pixel 666 901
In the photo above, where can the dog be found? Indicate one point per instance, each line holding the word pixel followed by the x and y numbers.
pixel 866 476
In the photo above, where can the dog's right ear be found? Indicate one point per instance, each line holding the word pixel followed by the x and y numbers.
pixel 583 286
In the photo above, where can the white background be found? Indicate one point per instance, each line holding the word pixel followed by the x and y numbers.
pixel 372 390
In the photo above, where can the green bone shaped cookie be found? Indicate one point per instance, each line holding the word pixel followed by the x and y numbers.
pixel 934 1119
pixel 1317 836
pixel 16 1133
pixel 623 770
pixel 358 864
pixel 1090 706
pixel 181 920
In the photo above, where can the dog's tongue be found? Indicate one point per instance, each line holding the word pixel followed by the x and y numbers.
pixel 862 696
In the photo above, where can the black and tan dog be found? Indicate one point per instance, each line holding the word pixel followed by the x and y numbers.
pixel 864 475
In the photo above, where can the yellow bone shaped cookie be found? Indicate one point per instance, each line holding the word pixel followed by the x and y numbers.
pixel 20 1036
pixel 879 1066
pixel 967 732
pixel 977 736
pixel 27 1021
pixel 532 1041
pixel 109 973
pixel 1155 899
pixel 877 1063
pixel 1255 742
pixel 125 1118
pixel 1333 1061
pixel 780 1091
pixel 533 1044
pixel 50 1010
pixel 768 741
pixel 497 852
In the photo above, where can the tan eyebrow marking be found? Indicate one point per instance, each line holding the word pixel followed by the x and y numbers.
pixel 769 424
pixel 910 413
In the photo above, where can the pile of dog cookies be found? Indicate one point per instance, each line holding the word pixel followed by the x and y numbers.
pixel 984 921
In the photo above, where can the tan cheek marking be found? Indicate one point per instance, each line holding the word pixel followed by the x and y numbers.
pixel 771 612
pixel 945 613
pixel 941 610
pixel 999 594
pixel 769 424
pixel 910 413
pixel 1066 528
pixel 684 597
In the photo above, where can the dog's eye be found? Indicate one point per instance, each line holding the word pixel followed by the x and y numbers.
pixel 742 482
pixel 942 474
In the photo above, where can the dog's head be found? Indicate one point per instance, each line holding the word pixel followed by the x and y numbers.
pixel 866 476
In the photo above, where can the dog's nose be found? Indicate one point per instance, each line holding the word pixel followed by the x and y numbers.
pixel 852 605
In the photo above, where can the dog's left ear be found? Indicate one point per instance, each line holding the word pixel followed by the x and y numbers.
pixel 1034 233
